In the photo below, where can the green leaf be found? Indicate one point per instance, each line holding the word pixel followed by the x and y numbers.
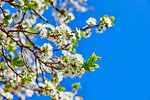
pixel 8 85
pixel 106 16
pixel 22 72
pixel 27 79
pixel 18 62
pixel 76 85
pixel 1 55
pixel 29 44
pixel 1 36
pixel 112 24
pixel 12 66
pixel 75 44
pixel 61 89
pixel 2 64
pixel 99 58
pixel 6 21
pixel 8 17
pixel 82 34
pixel 91 69
pixel 90 65
pixel 47 2
pixel 96 66
pixel 73 50
pixel 80 98
pixel 31 29
pixel 65 59
pixel 10 57
pixel 57 87
pixel 86 66
pixel 93 58
pixel 112 18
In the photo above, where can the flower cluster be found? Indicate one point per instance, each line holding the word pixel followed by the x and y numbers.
pixel 106 23
pixel 27 67
pixel 56 92
pixel 47 50
pixel 7 95
pixel 63 18
pixel 73 65
pixel 91 21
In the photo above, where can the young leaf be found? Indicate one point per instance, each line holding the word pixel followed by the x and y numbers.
pixel 18 62
pixel 61 89
pixel 8 17
pixel 6 21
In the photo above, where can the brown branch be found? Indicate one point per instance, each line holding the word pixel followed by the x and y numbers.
pixel 12 4
pixel 40 16
pixel 35 47
pixel 22 18
pixel 9 60
pixel 23 46
pixel 2 11
pixel 3 96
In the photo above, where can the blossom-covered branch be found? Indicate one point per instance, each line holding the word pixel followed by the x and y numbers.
pixel 24 64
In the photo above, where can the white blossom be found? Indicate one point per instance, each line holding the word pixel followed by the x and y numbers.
pixel 26 71
pixel 29 92
pixel 59 76
pixel 43 32
pixel 42 85
pixel 101 29
pixel 72 16
pixel 91 20
pixel 108 21
pixel 47 50
pixel 78 98
pixel 8 95
pixel 38 26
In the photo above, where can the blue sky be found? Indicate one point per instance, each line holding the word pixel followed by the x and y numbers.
pixel 124 72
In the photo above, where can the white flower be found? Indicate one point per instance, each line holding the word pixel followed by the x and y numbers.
pixel 38 26
pixel 83 9
pixel 69 94
pixel 59 76
pixel 108 21
pixel 1 91
pixel 47 47
pixel 91 21
pixel 79 58
pixel 66 96
pixel 78 98
pixel 65 53
pixel 47 50
pixel 2 35
pixel 8 95
pixel 51 86
pixel 72 16
pixel 78 32
pixel 51 39
pixel 29 92
pixel 43 32
pixel 21 2
pixel 81 72
pixel 41 85
pixel 51 27
pixel 101 29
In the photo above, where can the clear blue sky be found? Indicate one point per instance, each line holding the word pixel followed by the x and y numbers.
pixel 125 52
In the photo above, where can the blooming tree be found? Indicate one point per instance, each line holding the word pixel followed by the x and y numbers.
pixel 24 64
